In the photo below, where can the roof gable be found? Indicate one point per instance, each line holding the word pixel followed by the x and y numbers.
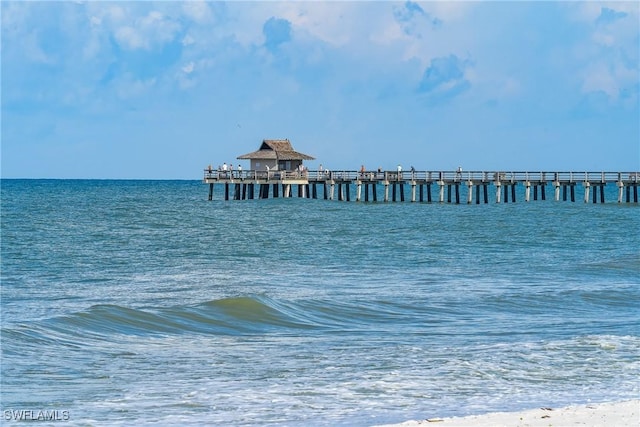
pixel 276 145
pixel 280 149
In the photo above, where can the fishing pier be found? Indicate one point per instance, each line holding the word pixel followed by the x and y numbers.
pixel 423 186
pixel 277 170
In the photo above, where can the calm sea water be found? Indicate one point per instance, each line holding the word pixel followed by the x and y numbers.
pixel 140 302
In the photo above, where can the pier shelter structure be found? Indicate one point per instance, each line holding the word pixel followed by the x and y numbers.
pixel 425 186
pixel 275 154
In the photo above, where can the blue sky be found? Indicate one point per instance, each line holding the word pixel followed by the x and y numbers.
pixel 162 89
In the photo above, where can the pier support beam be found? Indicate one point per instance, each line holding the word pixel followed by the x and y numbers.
pixel 264 191
pixel 620 185
pixel 587 188
pixel 469 192
pixel 211 191
pixel 498 188
pixel 573 192
pixel 635 193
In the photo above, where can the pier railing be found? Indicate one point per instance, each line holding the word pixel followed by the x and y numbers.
pixel 254 175
pixel 425 176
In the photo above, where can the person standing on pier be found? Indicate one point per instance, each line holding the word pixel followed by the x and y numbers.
pixel 399 171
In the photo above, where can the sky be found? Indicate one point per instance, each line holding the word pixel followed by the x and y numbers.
pixel 160 90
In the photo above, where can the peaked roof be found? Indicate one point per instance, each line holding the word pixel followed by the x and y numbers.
pixel 275 149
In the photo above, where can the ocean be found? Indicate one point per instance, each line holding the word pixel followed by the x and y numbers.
pixel 143 303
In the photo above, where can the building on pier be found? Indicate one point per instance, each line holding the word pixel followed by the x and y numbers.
pixel 275 154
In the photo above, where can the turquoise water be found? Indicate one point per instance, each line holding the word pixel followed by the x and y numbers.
pixel 141 302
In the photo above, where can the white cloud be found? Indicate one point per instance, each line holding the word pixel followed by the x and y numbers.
pixel 188 40
pixel 599 78
pixel 149 31
pixel 15 18
pixel 131 38
pixel 188 69
pixel 610 57
pixel 198 11
pixel 449 11
pixel 330 22
pixel 128 86
pixel 114 13
pixel 510 87
pixel 603 39
pixel 32 49
pixel 589 11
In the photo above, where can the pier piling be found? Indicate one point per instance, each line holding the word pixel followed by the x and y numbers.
pixel 242 185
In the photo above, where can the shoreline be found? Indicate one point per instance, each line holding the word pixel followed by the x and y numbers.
pixel 619 414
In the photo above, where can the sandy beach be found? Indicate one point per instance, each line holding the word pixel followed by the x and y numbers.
pixel 619 414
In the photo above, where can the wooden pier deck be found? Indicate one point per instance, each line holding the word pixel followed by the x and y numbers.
pixel 425 186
